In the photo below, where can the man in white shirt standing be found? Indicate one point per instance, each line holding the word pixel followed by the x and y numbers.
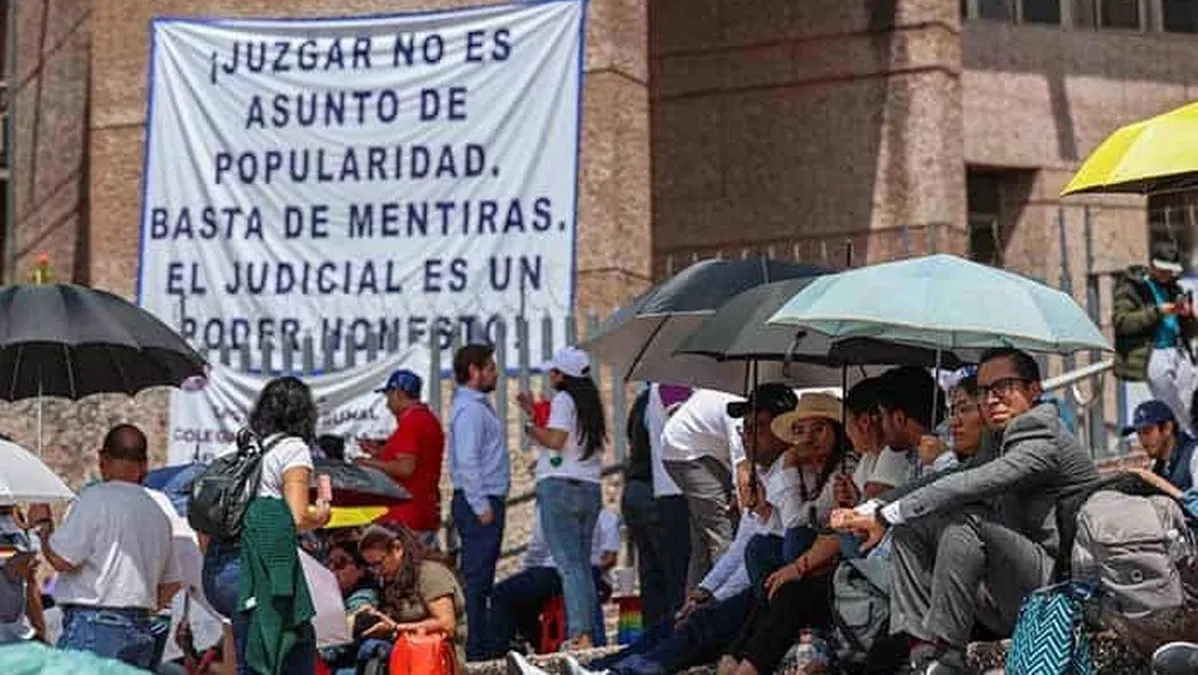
pixel 114 558
pixel 700 446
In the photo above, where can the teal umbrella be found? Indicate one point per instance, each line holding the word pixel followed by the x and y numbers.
pixel 944 302
pixel 32 658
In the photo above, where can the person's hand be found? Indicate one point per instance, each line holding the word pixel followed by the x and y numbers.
pixel 41 518
pixel 843 519
pixel 844 491
pixel 694 600
pixel 785 575
pixel 321 514
pixel 1184 308
pixel 524 400
pixel 486 517
pixel 385 627
pixel 1167 308
pixel 370 446
pixel 930 447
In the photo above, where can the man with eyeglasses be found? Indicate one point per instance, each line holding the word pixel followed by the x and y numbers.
pixel 970 544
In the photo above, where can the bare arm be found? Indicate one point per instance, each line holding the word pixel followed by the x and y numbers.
pixel 399 468
pixel 607 560
pixel 295 493
pixel 441 618
pixel 1158 482
pixel 59 563
pixel 554 439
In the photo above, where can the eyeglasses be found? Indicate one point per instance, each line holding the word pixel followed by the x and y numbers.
pixel 1001 388
pixel 811 429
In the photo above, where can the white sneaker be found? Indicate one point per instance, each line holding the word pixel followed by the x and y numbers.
pixel 573 667
pixel 518 665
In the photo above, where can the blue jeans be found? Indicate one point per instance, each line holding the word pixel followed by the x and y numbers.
pixel 516 606
pixel 702 638
pixel 569 509
pixel 222 582
pixel 122 634
pixel 660 530
pixel 479 554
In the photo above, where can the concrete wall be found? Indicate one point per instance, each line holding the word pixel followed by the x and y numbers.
pixel 788 127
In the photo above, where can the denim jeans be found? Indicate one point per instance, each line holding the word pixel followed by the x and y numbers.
pixel 479 554
pixel 702 638
pixel 569 509
pixel 660 530
pixel 122 634
pixel 222 581
pixel 516 606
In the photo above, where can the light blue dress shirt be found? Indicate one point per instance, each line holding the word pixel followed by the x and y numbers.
pixel 478 462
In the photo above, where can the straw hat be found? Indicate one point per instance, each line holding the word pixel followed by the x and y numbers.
pixel 811 406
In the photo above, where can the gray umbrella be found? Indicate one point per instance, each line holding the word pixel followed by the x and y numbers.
pixel 738 332
pixel 639 340
pixel 70 341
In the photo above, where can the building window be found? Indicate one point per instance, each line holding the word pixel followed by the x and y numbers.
pixel 1174 217
pixel 1179 16
pixel 984 200
pixel 1040 11
pixel 1119 14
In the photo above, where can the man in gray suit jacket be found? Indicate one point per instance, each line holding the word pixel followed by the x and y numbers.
pixel 969 545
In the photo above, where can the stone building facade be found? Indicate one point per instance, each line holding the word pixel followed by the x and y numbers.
pixel 710 127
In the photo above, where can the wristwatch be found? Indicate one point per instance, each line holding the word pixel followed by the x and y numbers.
pixel 881 517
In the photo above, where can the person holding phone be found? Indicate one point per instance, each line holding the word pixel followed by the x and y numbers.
pixel 284 421
pixel 1154 328
pixel 411 457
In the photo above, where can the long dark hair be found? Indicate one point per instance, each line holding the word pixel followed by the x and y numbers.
pixel 592 426
pixel 285 406
pixel 404 587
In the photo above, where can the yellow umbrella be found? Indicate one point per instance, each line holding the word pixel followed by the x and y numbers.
pixel 1159 153
pixel 353 516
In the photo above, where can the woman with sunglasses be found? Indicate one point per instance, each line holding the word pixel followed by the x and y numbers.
pixel 419 595
pixel 359 591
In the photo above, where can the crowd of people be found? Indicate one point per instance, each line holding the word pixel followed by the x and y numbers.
pixel 762 526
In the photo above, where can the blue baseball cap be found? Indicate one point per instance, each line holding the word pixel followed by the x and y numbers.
pixel 403 380
pixel 1149 413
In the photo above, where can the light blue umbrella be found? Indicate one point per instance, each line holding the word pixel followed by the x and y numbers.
pixel 946 302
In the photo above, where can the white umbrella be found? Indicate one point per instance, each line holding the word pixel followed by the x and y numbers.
pixel 331 622
pixel 25 478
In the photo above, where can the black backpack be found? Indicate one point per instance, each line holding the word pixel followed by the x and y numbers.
pixel 220 495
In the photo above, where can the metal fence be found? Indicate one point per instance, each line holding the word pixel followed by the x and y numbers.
pixel 516 355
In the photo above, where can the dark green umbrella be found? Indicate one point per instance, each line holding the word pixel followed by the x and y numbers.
pixel 738 331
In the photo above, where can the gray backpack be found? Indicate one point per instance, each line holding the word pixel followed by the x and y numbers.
pixel 1133 549
pixel 861 607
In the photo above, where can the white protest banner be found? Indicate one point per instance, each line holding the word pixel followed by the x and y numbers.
pixel 204 419
pixel 402 176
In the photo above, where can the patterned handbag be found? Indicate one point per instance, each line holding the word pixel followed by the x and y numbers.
pixel 1050 637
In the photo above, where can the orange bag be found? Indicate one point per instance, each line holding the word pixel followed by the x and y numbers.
pixel 423 654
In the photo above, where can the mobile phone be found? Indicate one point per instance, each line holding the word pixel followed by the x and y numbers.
pixel 324 488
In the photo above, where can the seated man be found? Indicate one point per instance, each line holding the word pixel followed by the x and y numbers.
pixel 1170 449
pixel 517 602
pixel 970 544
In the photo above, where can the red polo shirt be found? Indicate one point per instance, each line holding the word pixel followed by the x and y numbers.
pixel 418 432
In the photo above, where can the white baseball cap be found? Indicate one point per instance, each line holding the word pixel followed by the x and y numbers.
pixel 570 361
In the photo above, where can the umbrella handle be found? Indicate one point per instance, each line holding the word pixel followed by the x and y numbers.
pixel 788 357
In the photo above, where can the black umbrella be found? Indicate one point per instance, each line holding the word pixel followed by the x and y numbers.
pixel 738 331
pixel 70 341
pixel 639 340
pixel 355 485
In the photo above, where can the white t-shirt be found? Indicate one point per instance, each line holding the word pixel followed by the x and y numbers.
pixel 655 422
pixel 287 454
pixel 605 539
pixel 563 416
pixel 120 541
pixel 791 484
pixel 701 427
pixel 887 467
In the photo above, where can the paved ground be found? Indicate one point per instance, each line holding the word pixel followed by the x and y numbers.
pixel 1111 658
